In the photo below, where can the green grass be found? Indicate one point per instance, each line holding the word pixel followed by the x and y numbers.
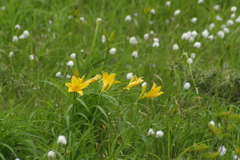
pixel 36 106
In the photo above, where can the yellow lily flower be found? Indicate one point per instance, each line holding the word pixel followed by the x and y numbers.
pixel 134 81
pixel 90 81
pixel 154 92
pixel 108 81
pixel 76 85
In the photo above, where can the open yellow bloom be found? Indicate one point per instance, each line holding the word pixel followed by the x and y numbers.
pixel 108 81
pixel 90 81
pixel 154 92
pixel 134 81
pixel 76 85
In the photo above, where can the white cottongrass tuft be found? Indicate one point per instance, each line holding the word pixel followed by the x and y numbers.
pixel 73 56
pixel 82 19
pixel 230 22
pixel 237 20
pixel 151 32
pixel 133 40
pixel 17 27
pixel 194 20
pixel 70 63
pixel 186 86
pixel 11 54
pixel 177 12
pixel 194 33
pixel 233 9
pixel 51 154
pixel 226 30
pixel 212 123
pixel 62 140
pixel 24 35
pixel 218 18
pixel 15 38
pixel 58 74
pixel 200 1
pixel 167 4
pixel 189 61
pixel 235 157
pixel 205 33
pixel 233 15
pixel 129 76
pixel 155 42
pixel 103 39
pixel 31 57
pixel 112 50
pixel 221 34
pixel 186 35
pixel 135 54
pixel 151 132
pixel 175 47
pixel 211 37
pixel 68 76
pixel 211 26
pixel 192 55
pixel 222 150
pixel 17 159
pixel 191 39
pixel 146 36
pixel 152 11
pixel 159 134
pixel 197 45
pixel 128 18
pixel 216 7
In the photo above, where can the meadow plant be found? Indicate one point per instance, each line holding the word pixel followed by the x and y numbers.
pixel 85 80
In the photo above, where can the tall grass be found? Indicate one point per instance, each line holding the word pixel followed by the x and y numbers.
pixel 36 107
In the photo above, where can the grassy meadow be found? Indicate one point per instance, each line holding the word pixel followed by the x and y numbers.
pixel 189 47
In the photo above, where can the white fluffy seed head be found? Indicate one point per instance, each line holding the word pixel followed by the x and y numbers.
pixel 197 45
pixel 113 51
pixel 133 40
pixel 135 54
pixel 177 12
pixel 128 18
pixel 129 76
pixel 70 63
pixel 151 132
pixel 167 4
pixel 31 57
pixel 11 54
pixel 187 86
pixel 222 150
pixel 175 47
pixel 51 154
pixel 233 9
pixel 62 140
pixel 194 20
pixel 212 123
pixel 159 134
pixel 73 56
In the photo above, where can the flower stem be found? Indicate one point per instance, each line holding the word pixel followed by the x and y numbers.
pixel 193 80
pixel 95 35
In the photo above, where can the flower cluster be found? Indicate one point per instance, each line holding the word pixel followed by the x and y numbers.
pixel 78 84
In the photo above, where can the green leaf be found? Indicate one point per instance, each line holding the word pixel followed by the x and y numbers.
pixel 211 155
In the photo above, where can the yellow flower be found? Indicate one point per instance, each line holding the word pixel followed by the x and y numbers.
pixel 154 92
pixel 108 81
pixel 76 85
pixel 90 81
pixel 134 81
